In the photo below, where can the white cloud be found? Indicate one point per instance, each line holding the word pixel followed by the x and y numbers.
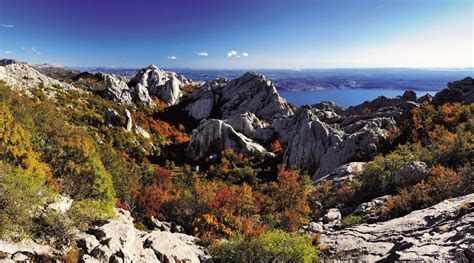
pixel 172 58
pixel 32 50
pixel 202 54
pixel 8 26
pixel 231 53
pixel 235 54
pixel 8 52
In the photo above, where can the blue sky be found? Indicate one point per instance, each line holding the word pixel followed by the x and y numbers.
pixel 239 33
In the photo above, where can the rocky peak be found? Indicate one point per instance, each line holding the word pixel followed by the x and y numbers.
pixel 250 92
pixel 162 84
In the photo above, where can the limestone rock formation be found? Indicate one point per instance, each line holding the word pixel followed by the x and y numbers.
pixel 343 173
pixel 441 233
pixel 213 136
pixel 201 102
pixel 117 240
pixel 320 147
pixel 116 89
pixel 21 76
pixel 162 84
pixel 250 92
pixel 249 125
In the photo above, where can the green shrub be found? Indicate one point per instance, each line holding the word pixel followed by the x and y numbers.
pixel 21 194
pixel 377 175
pixel 84 212
pixel 272 246
pixel 351 220
pixel 54 227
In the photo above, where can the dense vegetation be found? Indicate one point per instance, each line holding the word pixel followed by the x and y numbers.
pixel 65 145
pixel 442 137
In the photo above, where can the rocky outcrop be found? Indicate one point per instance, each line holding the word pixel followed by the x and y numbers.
pixel 251 92
pixel 249 125
pixel 320 147
pixel 410 174
pixel 213 136
pixel 369 107
pixel 310 144
pixel 162 84
pixel 114 119
pixel 201 102
pixel 22 251
pixel 458 91
pixel 441 233
pixel 21 76
pixel 117 90
pixel 117 240
pixel 368 210
pixel 343 173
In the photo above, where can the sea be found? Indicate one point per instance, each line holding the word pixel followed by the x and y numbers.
pixel 343 97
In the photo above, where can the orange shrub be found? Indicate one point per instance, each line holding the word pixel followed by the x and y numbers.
pixel 276 146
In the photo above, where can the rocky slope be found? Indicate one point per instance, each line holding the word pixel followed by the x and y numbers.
pixel 441 233
pixel 114 240
pixel 22 76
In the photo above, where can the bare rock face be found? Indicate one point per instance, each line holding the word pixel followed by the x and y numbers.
pixel 213 136
pixel 118 240
pixel 441 233
pixel 250 92
pixel 458 91
pixel 309 145
pixel 162 84
pixel 117 89
pixel 253 93
pixel 11 251
pixel 320 147
pixel 343 173
pixel 201 102
pixel 249 125
pixel 21 76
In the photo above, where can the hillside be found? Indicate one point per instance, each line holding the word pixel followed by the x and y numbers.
pixel 97 167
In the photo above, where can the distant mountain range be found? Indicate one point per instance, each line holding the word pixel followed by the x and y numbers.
pixel 321 79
